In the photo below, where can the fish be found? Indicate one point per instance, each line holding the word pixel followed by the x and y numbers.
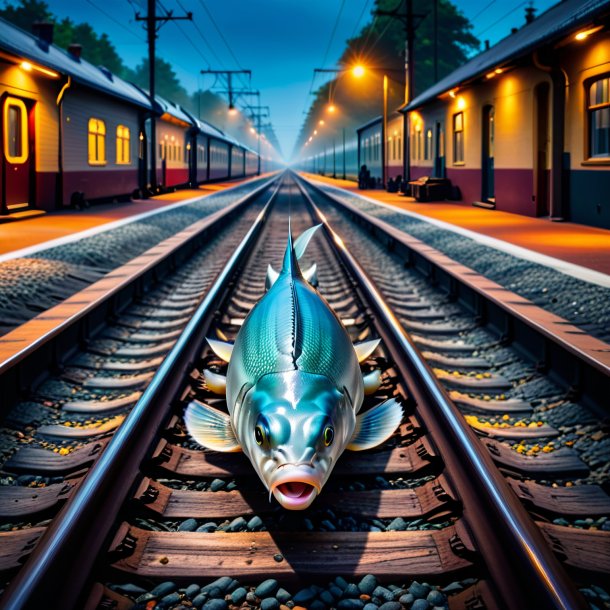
pixel 294 389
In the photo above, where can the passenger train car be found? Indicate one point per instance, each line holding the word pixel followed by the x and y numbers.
pixel 72 132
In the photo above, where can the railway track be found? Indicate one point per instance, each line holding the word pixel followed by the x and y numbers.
pixel 169 517
pixel 68 390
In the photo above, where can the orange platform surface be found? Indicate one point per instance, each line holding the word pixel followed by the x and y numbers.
pixel 33 231
pixel 581 245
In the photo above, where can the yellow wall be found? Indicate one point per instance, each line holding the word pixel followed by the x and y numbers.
pixel 582 61
pixel 42 89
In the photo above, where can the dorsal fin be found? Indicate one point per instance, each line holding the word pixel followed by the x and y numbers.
pixel 291 264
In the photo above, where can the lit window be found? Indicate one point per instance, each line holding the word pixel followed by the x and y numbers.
pixel 97 142
pixel 428 145
pixel 16 132
pixel 599 118
pixel 458 137
pixel 123 156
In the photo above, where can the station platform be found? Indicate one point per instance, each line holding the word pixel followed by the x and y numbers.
pixel 29 232
pixel 586 247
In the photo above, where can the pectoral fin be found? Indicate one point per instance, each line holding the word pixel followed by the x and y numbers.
pixel 210 427
pixel 271 277
pixel 216 383
pixel 221 348
pixel 372 381
pixel 311 275
pixel 376 425
pixel 366 348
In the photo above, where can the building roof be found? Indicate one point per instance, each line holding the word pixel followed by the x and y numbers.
pixel 370 123
pixel 174 110
pixel 556 22
pixel 22 44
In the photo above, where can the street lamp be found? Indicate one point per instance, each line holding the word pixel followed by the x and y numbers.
pixel 358 71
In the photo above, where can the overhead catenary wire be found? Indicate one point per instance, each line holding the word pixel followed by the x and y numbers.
pixel 333 32
pixel 224 40
pixel 114 20
pixel 495 23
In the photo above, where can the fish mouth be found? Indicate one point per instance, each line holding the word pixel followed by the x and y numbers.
pixel 295 490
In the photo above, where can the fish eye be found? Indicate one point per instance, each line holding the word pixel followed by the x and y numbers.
pixel 259 434
pixel 329 435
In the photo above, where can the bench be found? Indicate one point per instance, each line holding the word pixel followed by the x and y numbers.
pixel 428 188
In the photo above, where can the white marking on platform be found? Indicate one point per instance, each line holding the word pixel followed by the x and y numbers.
pixel 68 239
pixel 577 271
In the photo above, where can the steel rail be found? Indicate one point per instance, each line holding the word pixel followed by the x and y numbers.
pixel 58 568
pixel 524 570
pixel 585 370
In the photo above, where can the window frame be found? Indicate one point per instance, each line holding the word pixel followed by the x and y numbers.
pixel 428 145
pixel 15 102
pixel 123 145
pixel 590 110
pixel 458 145
pixel 99 136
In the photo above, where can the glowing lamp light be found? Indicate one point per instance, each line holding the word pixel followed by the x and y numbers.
pixel 28 67
pixel 498 70
pixel 461 103
pixel 315 132
pixel 453 92
pixel 252 130
pixel 580 36
pixel 331 108
pixel 358 71
pixel 232 110
pixel 321 122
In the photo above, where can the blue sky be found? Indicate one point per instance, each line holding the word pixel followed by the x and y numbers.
pixel 281 41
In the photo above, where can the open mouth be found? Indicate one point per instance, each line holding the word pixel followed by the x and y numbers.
pixel 295 495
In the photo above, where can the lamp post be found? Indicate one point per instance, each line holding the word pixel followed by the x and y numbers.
pixel 359 71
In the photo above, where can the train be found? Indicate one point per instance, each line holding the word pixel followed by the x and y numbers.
pixel 74 133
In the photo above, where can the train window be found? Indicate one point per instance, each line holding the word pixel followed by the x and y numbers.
pixel 16 131
pixel 598 110
pixel 458 137
pixel 97 142
pixel 428 145
pixel 161 152
pixel 123 155
pixel 399 144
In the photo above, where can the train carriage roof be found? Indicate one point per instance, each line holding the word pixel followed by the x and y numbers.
pixel 555 23
pixel 29 47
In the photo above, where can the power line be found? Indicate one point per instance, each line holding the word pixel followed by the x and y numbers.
pixel 512 10
pixel 366 5
pixel 483 10
pixel 334 31
pixel 101 10
pixel 204 39
pixel 222 36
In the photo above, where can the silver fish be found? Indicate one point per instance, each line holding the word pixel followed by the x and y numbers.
pixel 294 389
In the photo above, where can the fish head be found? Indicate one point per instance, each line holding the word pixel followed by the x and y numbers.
pixel 294 426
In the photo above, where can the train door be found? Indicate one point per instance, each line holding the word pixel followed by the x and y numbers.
pixel 18 154
pixel 487 162
pixel 541 153
pixel 439 152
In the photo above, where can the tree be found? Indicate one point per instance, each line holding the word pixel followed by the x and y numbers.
pixel 381 44
pixel 98 50
pixel 167 84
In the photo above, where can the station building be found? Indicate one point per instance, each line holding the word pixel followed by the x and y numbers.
pixel 524 126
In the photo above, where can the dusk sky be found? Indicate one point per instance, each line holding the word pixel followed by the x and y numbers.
pixel 281 41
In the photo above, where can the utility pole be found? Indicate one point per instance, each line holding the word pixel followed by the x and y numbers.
pixel 229 76
pixel 406 17
pixel 153 24
pixel 257 113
